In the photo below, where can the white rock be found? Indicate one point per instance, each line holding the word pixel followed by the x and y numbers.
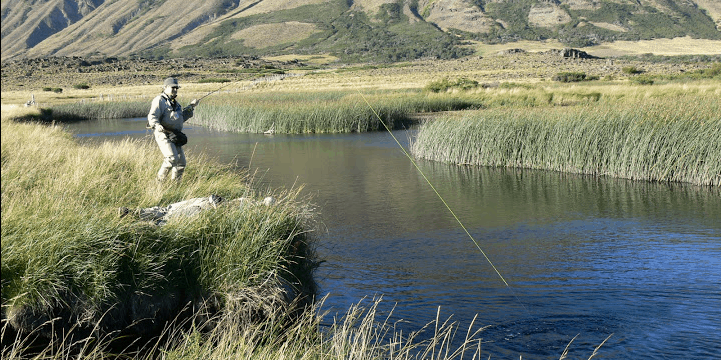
pixel 268 201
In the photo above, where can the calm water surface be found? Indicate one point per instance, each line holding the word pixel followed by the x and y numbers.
pixel 583 256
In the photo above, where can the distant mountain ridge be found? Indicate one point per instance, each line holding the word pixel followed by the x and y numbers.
pixel 354 30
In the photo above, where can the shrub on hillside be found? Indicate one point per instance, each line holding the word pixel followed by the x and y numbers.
pixel 445 84
pixel 642 80
pixel 710 73
pixel 631 70
pixel 573 77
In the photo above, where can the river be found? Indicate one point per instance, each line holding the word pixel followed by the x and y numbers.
pixel 581 255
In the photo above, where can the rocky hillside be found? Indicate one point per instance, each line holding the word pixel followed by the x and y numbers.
pixel 360 30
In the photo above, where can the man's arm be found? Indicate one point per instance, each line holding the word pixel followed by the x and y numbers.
pixel 189 110
pixel 156 113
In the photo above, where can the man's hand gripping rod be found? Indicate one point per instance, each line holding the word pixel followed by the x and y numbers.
pixel 195 102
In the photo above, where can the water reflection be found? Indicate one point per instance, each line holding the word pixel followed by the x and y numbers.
pixel 583 255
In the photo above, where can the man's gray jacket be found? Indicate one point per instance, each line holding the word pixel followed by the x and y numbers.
pixel 168 113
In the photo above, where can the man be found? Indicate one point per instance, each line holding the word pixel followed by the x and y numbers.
pixel 166 118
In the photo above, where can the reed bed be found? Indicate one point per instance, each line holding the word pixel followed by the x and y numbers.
pixel 99 110
pixel 69 262
pixel 658 139
pixel 320 112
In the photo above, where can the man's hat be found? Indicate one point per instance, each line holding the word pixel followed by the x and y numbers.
pixel 171 82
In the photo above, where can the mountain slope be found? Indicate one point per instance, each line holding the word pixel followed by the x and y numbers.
pixel 124 27
pixel 27 23
pixel 360 30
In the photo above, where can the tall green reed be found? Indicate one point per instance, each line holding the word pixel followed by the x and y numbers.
pixel 362 332
pixel 99 110
pixel 333 112
pixel 668 140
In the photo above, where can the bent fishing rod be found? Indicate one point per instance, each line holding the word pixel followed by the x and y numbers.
pixel 214 91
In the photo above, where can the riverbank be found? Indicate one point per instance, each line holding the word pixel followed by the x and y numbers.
pixel 73 267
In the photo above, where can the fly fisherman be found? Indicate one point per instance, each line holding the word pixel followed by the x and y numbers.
pixel 166 118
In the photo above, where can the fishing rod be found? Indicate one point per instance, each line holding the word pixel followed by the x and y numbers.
pixel 224 85
pixel 214 91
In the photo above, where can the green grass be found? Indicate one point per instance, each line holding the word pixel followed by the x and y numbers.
pixel 98 110
pixel 66 254
pixel 446 84
pixel 319 112
pixel 573 77
pixel 658 139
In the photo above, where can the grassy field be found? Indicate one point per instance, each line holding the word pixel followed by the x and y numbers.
pixel 319 73
pixel 675 46
pixel 363 98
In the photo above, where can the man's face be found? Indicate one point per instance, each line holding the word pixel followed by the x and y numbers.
pixel 171 91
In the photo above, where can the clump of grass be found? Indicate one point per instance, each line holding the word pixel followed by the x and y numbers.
pixel 70 263
pixel 573 77
pixel 656 140
pixel 294 113
pixel 631 70
pixel 359 333
pixel 712 72
pixel 82 86
pixel 446 84
pixel 642 80
pixel 56 90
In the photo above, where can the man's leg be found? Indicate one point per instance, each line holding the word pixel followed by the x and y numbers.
pixel 179 165
pixel 170 155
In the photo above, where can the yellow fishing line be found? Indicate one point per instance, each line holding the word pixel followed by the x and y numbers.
pixel 434 190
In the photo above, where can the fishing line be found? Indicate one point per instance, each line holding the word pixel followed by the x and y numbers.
pixel 444 202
